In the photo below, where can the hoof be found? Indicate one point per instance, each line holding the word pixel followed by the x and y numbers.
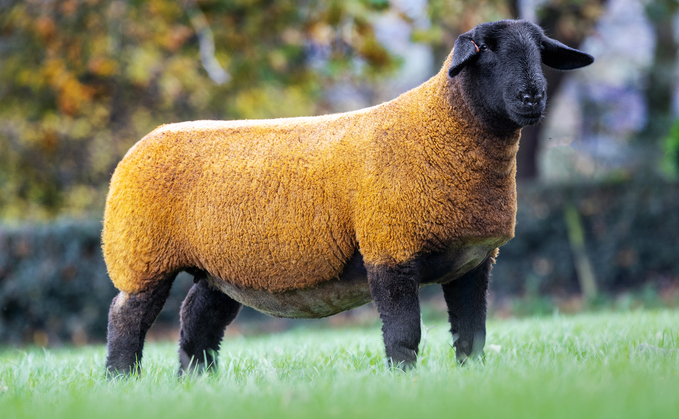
pixel 406 360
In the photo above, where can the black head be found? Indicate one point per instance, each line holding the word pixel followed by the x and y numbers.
pixel 498 65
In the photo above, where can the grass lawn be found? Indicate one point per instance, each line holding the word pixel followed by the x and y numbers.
pixel 578 366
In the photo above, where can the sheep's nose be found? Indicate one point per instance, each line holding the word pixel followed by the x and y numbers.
pixel 530 99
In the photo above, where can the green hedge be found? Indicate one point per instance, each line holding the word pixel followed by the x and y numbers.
pixel 53 280
pixel 54 286
pixel 631 235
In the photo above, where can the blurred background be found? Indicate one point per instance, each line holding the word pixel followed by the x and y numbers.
pixel 82 80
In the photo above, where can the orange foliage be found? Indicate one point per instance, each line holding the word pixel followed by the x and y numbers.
pixel 123 68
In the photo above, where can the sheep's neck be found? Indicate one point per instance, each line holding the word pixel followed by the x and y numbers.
pixel 455 139
pixel 470 170
pixel 498 151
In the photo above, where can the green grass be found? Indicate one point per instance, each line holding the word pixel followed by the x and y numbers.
pixel 556 367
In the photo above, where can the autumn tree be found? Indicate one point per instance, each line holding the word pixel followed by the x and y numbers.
pixel 82 80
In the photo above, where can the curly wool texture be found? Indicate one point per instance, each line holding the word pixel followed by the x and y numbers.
pixel 283 204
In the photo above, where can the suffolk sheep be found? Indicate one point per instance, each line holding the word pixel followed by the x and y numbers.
pixel 308 217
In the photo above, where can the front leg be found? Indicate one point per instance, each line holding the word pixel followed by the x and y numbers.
pixel 466 299
pixel 395 290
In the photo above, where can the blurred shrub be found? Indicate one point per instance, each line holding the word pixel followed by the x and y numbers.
pixel 54 286
pixel 630 238
pixel 53 283
pixel 83 80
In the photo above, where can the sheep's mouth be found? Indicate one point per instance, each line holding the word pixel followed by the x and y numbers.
pixel 531 117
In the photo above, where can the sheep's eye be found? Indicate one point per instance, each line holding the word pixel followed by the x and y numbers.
pixel 483 47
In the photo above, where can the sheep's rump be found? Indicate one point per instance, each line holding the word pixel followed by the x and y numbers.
pixel 260 205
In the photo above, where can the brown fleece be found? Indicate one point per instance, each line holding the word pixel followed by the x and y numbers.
pixel 284 204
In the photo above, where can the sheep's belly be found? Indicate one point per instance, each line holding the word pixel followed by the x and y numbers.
pixel 334 296
pixel 331 297
pixel 351 289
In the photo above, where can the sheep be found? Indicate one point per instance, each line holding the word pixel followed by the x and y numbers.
pixel 307 217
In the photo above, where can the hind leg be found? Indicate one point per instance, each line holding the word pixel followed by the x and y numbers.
pixel 130 317
pixel 204 316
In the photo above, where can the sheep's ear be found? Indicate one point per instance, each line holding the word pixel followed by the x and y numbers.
pixel 465 49
pixel 559 56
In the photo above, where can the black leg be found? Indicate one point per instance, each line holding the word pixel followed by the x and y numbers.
pixel 129 318
pixel 466 299
pixel 395 291
pixel 205 314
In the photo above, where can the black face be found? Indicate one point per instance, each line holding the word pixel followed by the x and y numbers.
pixel 499 69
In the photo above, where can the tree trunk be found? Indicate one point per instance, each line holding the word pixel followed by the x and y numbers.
pixel 660 83
pixel 527 159
pixel 570 23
